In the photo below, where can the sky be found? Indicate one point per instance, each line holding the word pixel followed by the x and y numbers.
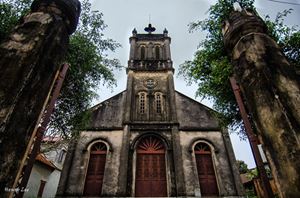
pixel 122 16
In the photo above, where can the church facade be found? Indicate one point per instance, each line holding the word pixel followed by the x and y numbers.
pixel 150 140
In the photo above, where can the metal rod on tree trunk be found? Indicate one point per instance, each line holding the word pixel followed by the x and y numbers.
pixel 268 193
pixel 41 129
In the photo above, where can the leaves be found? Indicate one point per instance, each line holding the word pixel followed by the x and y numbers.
pixel 211 68
pixel 288 38
pixel 10 12
pixel 89 65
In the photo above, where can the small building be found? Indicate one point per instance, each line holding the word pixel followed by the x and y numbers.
pixel 45 174
pixel 150 140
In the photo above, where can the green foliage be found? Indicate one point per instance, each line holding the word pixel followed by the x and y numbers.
pixel 288 38
pixel 89 65
pixel 250 174
pixel 243 167
pixel 10 13
pixel 210 69
pixel 250 192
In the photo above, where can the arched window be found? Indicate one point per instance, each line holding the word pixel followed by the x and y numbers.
pixel 143 53
pixel 151 178
pixel 205 169
pixel 95 172
pixel 158 98
pixel 157 52
pixel 142 103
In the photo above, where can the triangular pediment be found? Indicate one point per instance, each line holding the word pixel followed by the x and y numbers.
pixel 192 115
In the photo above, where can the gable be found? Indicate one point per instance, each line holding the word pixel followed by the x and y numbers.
pixel 109 113
pixel 193 115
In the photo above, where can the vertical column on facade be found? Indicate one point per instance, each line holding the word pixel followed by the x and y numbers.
pixel 171 90
pixel 123 169
pixel 132 54
pixel 127 117
pixel 178 164
pixel 66 171
pixel 177 153
pixel 232 162
pixel 167 48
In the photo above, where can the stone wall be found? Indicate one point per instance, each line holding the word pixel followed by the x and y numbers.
pixel 74 185
pixel 227 184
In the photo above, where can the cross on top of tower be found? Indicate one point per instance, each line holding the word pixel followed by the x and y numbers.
pixel 149 29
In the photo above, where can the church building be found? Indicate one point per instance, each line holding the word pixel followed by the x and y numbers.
pixel 150 140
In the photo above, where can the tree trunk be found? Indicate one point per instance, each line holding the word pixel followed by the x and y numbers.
pixel 272 92
pixel 29 60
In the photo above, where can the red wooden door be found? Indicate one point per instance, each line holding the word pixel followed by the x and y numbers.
pixel 205 168
pixel 151 169
pixel 95 172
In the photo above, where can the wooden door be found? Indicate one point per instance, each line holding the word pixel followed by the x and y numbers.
pixel 151 169
pixel 95 172
pixel 206 172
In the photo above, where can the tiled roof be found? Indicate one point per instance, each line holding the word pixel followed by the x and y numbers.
pixel 245 179
pixel 41 158
pixel 51 138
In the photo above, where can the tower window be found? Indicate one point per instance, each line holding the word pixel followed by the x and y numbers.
pixel 142 53
pixel 158 103
pixel 157 52
pixel 142 103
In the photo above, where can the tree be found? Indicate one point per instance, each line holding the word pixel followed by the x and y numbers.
pixel 211 68
pixel 243 167
pixel 89 65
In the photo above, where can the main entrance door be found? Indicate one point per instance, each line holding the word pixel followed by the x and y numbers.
pixel 151 168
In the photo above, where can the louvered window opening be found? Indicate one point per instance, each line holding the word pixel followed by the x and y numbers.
pixel 143 53
pixel 158 103
pixel 157 53
pixel 142 103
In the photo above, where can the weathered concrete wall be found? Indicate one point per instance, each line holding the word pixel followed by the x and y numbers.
pixel 41 172
pixel 160 85
pixel 272 90
pixel 77 173
pixel 51 185
pixel 109 113
pixel 194 115
pixel 53 155
pixel 29 60
pixel 223 170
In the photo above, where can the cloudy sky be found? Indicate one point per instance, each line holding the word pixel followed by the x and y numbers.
pixel 122 16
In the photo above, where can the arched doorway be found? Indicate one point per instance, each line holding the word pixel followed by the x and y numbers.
pixel 150 168
pixel 95 172
pixel 205 169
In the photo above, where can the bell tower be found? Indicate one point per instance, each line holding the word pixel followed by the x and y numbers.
pixel 150 86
